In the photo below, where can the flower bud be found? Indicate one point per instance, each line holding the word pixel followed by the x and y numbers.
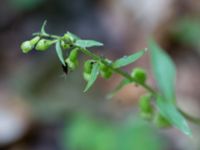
pixel 64 45
pixel 103 67
pixel 139 75
pixel 43 45
pixel 73 54
pixel 146 108
pixel 88 66
pixel 105 71
pixel 26 46
pixel 69 38
pixel 106 74
pixel 35 40
pixel 145 103
pixel 72 64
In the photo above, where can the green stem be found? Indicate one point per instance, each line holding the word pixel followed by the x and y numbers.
pixel 190 118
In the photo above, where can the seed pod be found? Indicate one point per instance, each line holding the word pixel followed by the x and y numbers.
pixel 72 64
pixel 26 46
pixel 73 54
pixel 139 75
pixel 43 45
pixel 161 121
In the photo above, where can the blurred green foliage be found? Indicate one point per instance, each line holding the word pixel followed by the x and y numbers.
pixel 87 133
pixel 187 31
pixel 25 4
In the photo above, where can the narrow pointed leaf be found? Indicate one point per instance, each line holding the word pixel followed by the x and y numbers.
pixel 73 36
pixel 60 53
pixel 94 75
pixel 87 43
pixel 165 74
pixel 164 71
pixel 170 112
pixel 126 60
pixel 43 27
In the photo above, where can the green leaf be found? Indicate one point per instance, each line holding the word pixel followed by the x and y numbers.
pixel 87 43
pixel 164 71
pixel 170 112
pixel 118 88
pixel 94 75
pixel 73 36
pixel 60 53
pixel 43 27
pixel 165 74
pixel 126 60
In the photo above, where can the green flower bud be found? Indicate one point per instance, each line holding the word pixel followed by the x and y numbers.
pixel 103 67
pixel 106 74
pixel 73 54
pixel 105 71
pixel 26 46
pixel 161 121
pixel 72 64
pixel 35 40
pixel 86 76
pixel 69 38
pixel 43 45
pixel 146 108
pixel 139 75
pixel 145 104
pixel 88 66
pixel 64 45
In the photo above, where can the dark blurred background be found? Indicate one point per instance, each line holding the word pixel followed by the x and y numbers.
pixel 40 109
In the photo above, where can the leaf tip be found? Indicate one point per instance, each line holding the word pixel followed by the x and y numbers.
pixel 86 89
pixel 188 132
pixel 45 22
pixel 43 26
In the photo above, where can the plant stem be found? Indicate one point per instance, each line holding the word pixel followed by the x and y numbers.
pixel 190 118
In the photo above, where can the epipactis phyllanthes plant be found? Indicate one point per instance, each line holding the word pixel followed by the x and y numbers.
pixel 157 106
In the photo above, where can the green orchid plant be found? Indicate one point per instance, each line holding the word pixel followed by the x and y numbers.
pixel 157 106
